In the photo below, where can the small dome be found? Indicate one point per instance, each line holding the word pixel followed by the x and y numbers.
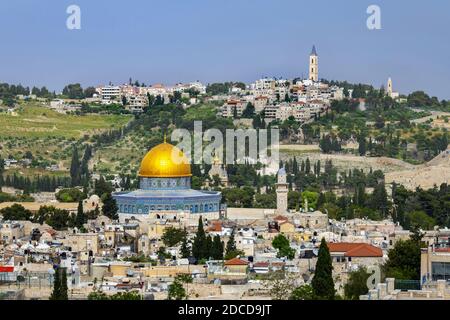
pixel 165 161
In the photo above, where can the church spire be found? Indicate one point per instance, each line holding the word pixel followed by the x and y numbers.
pixel 314 65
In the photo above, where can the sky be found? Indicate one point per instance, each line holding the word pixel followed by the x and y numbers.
pixel 173 41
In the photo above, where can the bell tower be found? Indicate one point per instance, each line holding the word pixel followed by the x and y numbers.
pixel 314 65
pixel 389 87
pixel 282 192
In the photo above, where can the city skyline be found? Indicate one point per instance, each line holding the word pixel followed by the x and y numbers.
pixel 175 42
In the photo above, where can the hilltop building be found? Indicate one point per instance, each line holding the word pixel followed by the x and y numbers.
pixel 390 90
pixel 314 65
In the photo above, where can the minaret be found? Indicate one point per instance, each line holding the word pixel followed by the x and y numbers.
pixel 314 65
pixel 389 87
pixel 282 192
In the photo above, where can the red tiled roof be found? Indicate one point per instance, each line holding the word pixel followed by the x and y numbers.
pixel 280 218
pixel 236 262
pixel 442 250
pixel 355 249
pixel 278 264
pixel 216 226
pixel 261 265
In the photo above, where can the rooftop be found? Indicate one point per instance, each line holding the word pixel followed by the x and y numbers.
pixel 355 249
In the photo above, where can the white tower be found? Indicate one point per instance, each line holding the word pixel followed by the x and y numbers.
pixel 282 192
pixel 314 65
pixel 389 87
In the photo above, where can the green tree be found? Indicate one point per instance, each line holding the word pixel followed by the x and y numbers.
pixel 356 284
pixel 58 219
pixel 81 217
pixel 404 260
pixel 64 290
pixel 307 166
pixel 176 290
pixel 283 246
pixel 362 145
pixel 73 91
pixel 419 219
pixel 379 199
pixel 304 292
pixel 130 295
pixel 102 187
pixel 16 212
pixel 198 247
pixel 231 250
pixel 97 295
pixel 231 243
pixel 59 285
pixel 75 168
pixel 109 208
pixel 322 282
pixel 56 293
pixel 217 248
pixel 207 247
pixel 249 111
pixel 70 195
pixel 184 250
pixel 172 236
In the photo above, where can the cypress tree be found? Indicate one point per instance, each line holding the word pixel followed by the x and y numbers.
pixel 231 244
pixel 81 217
pixel 217 248
pixel 2 170
pixel 318 168
pixel 198 246
pixel 184 250
pixel 307 166
pixel 207 251
pixel 64 290
pixel 75 168
pixel 56 293
pixel 109 208
pixel 322 282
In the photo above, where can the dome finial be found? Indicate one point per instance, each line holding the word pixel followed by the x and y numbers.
pixel 165 137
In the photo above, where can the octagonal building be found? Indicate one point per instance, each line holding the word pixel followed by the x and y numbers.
pixel 165 190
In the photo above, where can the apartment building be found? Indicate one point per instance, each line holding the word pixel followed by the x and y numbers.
pixel 109 93
pixel 228 109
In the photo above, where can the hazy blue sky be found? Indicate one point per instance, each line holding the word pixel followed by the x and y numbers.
pixel 170 41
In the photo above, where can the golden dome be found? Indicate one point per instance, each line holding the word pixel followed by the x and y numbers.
pixel 165 161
